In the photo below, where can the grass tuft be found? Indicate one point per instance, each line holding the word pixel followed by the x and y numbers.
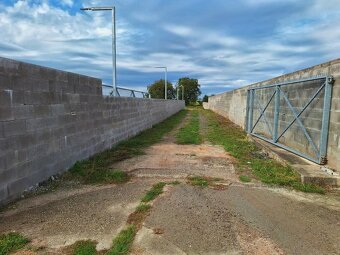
pixel 234 140
pixel 154 192
pixel 189 134
pixel 174 183
pixel 245 178
pixel 199 181
pixel 84 248
pixel 96 169
pixel 122 243
pixel 11 242
pixel 143 208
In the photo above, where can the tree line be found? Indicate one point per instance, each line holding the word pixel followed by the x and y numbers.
pixel 186 88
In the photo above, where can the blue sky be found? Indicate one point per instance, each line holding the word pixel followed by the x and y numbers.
pixel 225 44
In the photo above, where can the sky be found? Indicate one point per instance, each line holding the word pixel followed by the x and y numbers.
pixel 225 44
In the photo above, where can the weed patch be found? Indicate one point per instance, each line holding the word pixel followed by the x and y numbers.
pixel 154 192
pixel 11 242
pixel 234 140
pixel 143 207
pixel 198 181
pixel 204 181
pixel 84 248
pixel 174 183
pixel 245 178
pixel 96 169
pixel 122 243
pixel 189 134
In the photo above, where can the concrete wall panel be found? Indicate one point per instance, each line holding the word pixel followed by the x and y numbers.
pixel 232 104
pixel 49 119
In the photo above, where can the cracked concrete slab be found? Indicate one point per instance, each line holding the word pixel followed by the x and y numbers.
pixel 63 218
pixel 197 220
pixel 297 227
pixel 171 160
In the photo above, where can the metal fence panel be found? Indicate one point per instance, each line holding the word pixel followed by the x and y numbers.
pixel 293 115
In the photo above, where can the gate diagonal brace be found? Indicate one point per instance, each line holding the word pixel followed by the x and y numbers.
pixel 297 118
pixel 319 149
pixel 262 113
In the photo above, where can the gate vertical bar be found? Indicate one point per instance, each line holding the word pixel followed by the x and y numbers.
pixel 247 112
pixel 251 110
pixel 325 120
pixel 276 113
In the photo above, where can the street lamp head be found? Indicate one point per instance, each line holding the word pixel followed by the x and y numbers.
pixel 97 9
pixel 160 67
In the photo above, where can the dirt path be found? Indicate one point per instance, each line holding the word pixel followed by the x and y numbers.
pixel 228 218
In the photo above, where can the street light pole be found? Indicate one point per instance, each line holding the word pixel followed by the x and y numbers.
pixel 114 53
pixel 114 50
pixel 165 80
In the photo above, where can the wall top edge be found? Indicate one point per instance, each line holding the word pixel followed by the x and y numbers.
pixel 12 65
pixel 302 73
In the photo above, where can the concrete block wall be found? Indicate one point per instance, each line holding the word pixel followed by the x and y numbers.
pixel 49 119
pixel 232 104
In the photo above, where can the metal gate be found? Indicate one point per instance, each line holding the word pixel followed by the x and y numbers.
pixel 293 115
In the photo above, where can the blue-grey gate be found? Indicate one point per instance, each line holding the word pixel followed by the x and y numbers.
pixel 293 115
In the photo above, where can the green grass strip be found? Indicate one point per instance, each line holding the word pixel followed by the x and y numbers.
pixel 11 242
pixel 154 192
pixel 122 243
pixel 190 134
pixel 96 169
pixel 84 248
pixel 199 181
pixel 245 178
pixel 143 208
pixel 234 140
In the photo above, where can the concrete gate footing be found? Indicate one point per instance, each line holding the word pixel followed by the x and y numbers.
pixel 310 172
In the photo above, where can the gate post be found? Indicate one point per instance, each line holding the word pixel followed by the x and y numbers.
pixel 325 120
pixel 250 110
pixel 276 113
pixel 247 112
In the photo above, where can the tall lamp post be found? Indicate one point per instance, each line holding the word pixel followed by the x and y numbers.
pixel 114 50
pixel 165 80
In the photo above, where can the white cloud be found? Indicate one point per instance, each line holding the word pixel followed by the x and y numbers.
pixel 67 2
pixel 49 35
pixel 220 58
pixel 179 30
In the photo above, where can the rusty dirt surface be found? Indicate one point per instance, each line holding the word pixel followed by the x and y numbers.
pixel 230 218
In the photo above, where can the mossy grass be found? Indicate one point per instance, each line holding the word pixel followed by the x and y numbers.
pixel 189 134
pixel 234 140
pixel 12 242
pixel 96 169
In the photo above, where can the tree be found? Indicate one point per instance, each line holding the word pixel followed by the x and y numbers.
pixel 156 90
pixel 191 89
pixel 205 98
